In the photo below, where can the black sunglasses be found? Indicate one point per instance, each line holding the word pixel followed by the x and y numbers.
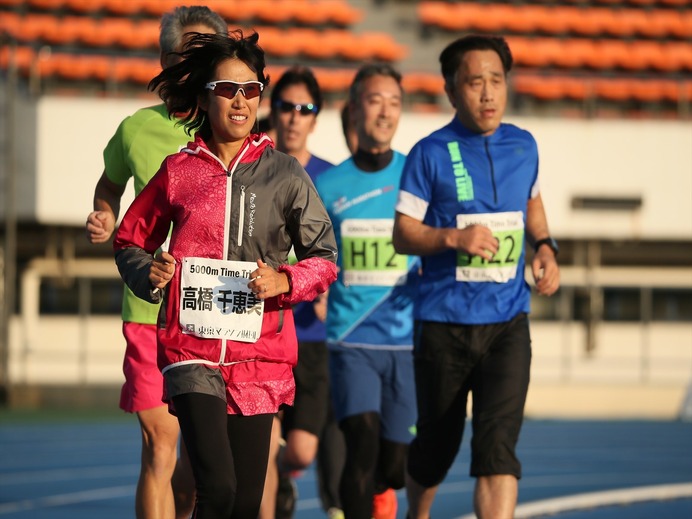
pixel 229 89
pixel 286 107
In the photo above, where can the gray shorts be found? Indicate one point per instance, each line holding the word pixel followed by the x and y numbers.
pixel 193 378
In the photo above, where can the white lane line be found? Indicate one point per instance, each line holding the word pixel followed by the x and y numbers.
pixel 97 494
pixel 599 499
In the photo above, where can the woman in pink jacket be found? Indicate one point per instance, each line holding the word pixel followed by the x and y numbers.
pixel 236 206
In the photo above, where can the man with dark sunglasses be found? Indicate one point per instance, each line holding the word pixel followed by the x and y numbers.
pixel 308 427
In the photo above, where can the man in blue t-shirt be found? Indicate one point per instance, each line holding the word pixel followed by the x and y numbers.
pixel 468 201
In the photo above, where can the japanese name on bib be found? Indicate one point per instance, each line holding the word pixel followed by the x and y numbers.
pixel 215 301
pixel 368 256
pixel 508 229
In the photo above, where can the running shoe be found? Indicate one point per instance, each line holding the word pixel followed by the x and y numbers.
pixel 384 505
pixel 286 497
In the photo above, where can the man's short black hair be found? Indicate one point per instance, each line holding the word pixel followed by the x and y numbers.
pixel 451 56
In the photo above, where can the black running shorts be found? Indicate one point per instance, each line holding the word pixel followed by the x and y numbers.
pixel 493 363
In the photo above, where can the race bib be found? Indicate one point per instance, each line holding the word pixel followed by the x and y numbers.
pixel 368 256
pixel 508 229
pixel 215 302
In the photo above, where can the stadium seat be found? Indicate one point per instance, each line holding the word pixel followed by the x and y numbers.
pixel 84 6
pixel 283 43
pixel 342 14
pixel 22 57
pixel 47 5
pixel 612 89
pixel 275 12
pixel 325 44
pixel 557 20
pixel 122 7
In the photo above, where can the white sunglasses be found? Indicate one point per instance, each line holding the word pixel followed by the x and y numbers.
pixel 229 89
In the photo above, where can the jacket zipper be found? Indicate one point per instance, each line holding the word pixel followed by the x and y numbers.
pixel 492 170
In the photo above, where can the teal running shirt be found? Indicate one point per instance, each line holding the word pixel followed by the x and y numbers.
pixel 371 303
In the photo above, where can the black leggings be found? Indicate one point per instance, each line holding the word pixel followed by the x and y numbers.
pixel 373 464
pixel 228 453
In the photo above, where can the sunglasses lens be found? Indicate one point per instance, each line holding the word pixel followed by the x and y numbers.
pixel 227 90
pixel 286 107
pixel 251 90
pixel 230 89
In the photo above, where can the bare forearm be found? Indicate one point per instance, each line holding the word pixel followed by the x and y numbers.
pixel 414 237
pixel 536 221
pixel 106 200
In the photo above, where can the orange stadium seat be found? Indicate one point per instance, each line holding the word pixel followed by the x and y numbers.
pixel 59 31
pixel 47 5
pixel 143 34
pixel 431 13
pixel 29 29
pixel 283 43
pixel 84 6
pixel 588 22
pixel 122 7
pixel 538 52
pixel 612 89
pixel 157 8
pixel 142 70
pixel 135 70
pixel 576 88
pixel 21 57
pixel 381 46
pixel 547 89
pixel 679 24
pixel 525 20
pixel 646 55
pixel 68 66
pixel 609 22
pixel 324 44
pixel 523 52
pixel 337 80
pixel 458 17
pixel 675 56
pixel 370 45
pixel 608 55
pixel 96 34
pixel 9 23
pixel 423 83
pixel 342 13
pixel 486 18
pixel 12 3
pixel 308 13
pixel 275 11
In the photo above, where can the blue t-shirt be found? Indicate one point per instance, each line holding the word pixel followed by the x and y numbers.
pixel 308 327
pixel 455 178
pixel 370 304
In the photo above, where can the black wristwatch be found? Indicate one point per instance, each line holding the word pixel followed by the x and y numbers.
pixel 550 242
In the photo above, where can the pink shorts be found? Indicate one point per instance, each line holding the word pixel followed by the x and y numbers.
pixel 143 388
